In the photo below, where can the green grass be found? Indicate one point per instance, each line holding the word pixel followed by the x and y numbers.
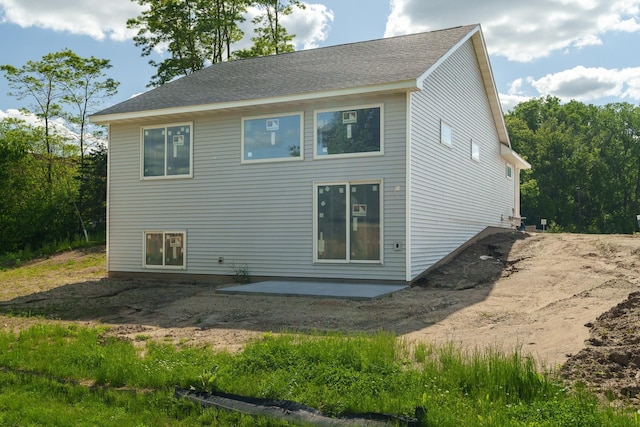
pixel 43 366
pixel 27 399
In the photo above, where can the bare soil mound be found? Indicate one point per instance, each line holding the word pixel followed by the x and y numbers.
pixel 610 364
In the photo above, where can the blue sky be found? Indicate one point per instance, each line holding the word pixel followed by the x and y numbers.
pixel 587 50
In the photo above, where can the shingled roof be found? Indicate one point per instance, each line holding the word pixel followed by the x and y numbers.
pixel 396 61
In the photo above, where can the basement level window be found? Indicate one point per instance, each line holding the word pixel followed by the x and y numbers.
pixel 165 249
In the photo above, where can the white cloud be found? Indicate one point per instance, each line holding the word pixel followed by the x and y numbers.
pixel 515 95
pixel 94 18
pixel 521 31
pixel 587 84
pixel 579 83
pixel 107 19
pixel 13 113
pixel 508 101
pixel 310 25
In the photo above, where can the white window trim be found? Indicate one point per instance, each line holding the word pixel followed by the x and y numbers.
pixel 348 260
pixel 443 124
pixel 472 145
pixel 163 177
pixel 164 267
pixel 316 156
pixel 276 159
pixel 508 166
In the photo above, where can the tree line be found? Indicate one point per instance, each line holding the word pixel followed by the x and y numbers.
pixel 585 174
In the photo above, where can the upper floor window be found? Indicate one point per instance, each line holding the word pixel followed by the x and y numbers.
pixel 475 151
pixel 167 151
pixel 349 132
pixel 509 171
pixel 446 134
pixel 268 138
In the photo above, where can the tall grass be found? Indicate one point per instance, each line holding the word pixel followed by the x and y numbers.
pixel 335 373
pixel 47 249
pixel 27 400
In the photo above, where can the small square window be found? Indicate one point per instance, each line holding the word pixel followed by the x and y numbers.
pixel 446 134
pixel 475 151
pixel 509 171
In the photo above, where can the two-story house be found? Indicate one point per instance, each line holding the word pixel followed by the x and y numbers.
pixel 368 161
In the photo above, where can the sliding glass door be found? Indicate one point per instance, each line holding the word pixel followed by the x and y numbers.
pixel 348 222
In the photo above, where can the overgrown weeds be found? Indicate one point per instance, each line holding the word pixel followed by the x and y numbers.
pixel 14 259
pixel 338 374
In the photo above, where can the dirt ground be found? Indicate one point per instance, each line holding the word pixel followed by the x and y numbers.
pixel 569 300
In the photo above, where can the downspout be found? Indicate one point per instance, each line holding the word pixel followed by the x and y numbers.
pixel 516 190
pixel 407 191
pixel 108 212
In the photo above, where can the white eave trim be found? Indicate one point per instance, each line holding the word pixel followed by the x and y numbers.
pixel 490 85
pixel 401 86
pixel 514 158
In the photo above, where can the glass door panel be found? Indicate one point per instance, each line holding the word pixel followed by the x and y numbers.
pixel 332 222
pixel 365 222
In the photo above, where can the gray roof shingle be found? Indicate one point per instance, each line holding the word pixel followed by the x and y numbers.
pixel 346 66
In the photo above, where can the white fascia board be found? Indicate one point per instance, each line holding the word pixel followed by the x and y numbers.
pixel 514 158
pixel 405 86
pixel 490 86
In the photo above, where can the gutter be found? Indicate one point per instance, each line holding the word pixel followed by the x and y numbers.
pixel 514 158
pixel 400 86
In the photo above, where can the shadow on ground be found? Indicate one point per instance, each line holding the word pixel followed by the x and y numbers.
pixel 466 280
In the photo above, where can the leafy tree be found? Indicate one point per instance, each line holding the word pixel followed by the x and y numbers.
pixel 84 91
pixel 30 213
pixel 585 160
pixel 94 187
pixel 195 33
pixel 40 82
pixel 58 80
pixel 63 89
pixel 271 36
pixel 85 88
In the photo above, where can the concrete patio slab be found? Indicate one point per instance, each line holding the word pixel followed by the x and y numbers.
pixel 314 289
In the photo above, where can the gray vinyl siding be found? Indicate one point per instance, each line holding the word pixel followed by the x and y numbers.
pixel 453 197
pixel 257 214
